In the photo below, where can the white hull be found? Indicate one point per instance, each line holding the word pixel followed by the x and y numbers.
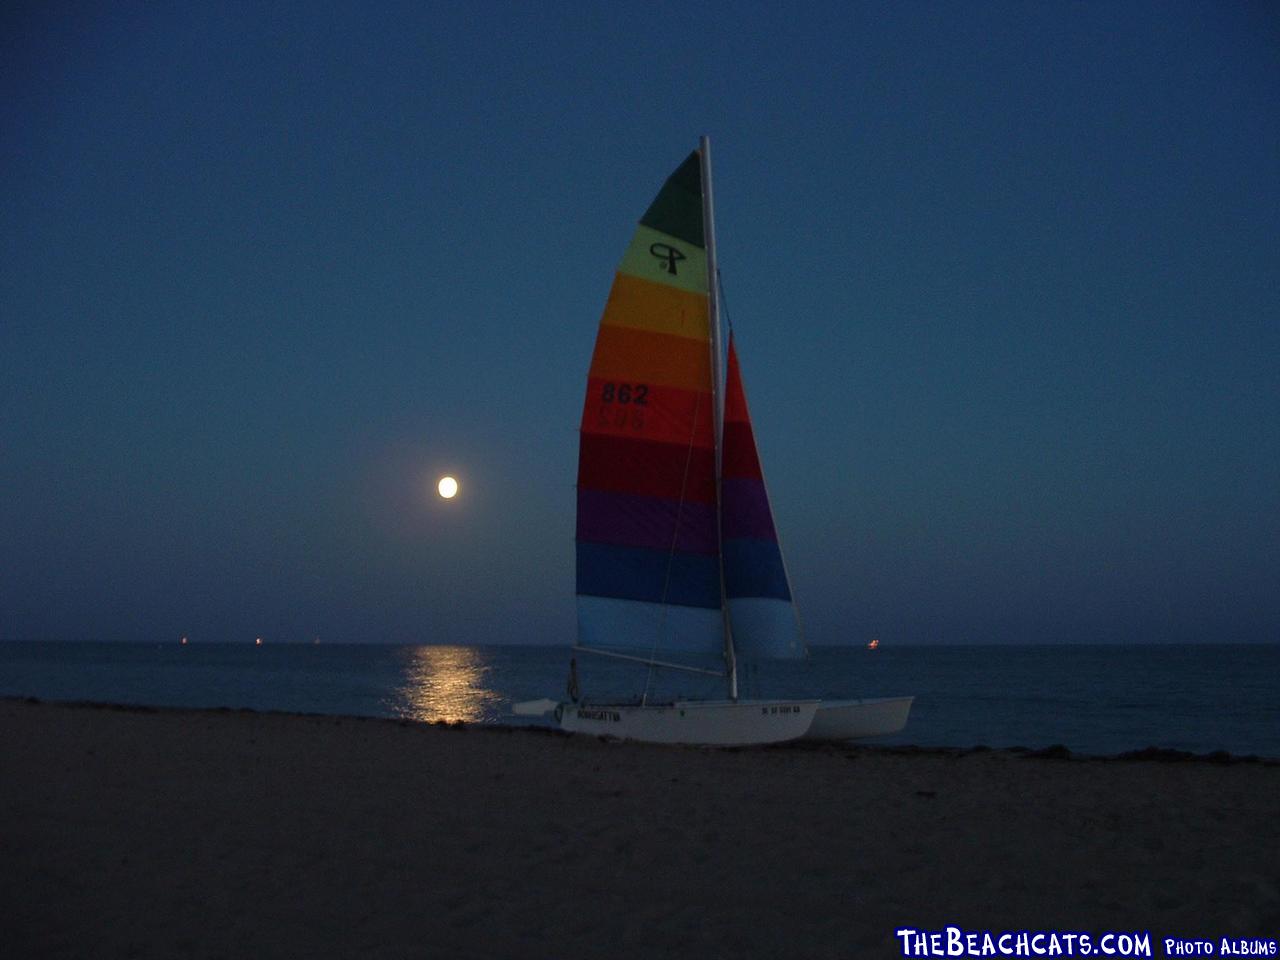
pixel 855 719
pixel 534 708
pixel 723 723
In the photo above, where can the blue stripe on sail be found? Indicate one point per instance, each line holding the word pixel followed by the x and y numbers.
pixel 753 568
pixel 652 629
pixel 638 573
pixel 765 628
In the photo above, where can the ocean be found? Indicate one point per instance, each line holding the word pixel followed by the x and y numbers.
pixel 1092 699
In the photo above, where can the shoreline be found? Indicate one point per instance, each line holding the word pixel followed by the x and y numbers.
pixel 1057 751
pixel 162 832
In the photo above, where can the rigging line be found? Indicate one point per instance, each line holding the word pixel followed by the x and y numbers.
pixel 671 552
pixel 724 304
pixel 652 663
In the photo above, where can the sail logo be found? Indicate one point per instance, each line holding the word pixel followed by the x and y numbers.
pixel 669 254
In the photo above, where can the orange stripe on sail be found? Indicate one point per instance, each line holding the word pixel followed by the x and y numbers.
pixel 638 303
pixel 627 355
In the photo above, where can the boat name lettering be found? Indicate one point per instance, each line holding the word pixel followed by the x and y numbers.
pixel 780 708
pixel 672 256
pixel 610 715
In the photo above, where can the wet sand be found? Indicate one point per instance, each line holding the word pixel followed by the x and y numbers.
pixel 175 833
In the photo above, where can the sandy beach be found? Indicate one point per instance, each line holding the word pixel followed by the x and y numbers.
pixel 175 833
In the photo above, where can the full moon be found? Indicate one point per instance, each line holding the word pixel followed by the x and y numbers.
pixel 447 487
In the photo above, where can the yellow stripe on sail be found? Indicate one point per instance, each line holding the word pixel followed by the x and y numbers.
pixel 662 258
pixel 628 355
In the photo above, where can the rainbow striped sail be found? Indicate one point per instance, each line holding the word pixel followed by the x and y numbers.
pixel 652 580
pixel 755 579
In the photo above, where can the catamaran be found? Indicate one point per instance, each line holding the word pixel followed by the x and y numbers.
pixel 678 562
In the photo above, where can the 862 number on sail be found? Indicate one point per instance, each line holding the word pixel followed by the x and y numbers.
pixel 625 393
pixel 619 405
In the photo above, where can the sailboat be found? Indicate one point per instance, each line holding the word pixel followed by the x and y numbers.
pixel 678 562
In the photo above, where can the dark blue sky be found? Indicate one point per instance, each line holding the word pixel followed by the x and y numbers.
pixel 1005 280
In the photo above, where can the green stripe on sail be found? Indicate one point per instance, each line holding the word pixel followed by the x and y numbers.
pixel 677 209
pixel 663 258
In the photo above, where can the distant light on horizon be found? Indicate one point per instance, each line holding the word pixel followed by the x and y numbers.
pixel 447 488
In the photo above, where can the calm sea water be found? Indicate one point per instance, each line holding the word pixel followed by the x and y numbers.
pixel 1093 699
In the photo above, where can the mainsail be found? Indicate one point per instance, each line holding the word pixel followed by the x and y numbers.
pixel 651 579
pixel 647 541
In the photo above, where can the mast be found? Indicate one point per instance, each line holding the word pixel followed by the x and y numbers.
pixel 717 393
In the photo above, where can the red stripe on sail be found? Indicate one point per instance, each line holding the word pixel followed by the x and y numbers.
pixel 740 459
pixel 624 465
pixel 739 451
pixel 644 411
pixel 735 398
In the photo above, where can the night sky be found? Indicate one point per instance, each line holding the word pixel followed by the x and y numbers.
pixel 1005 281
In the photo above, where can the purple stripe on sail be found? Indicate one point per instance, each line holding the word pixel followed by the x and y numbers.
pixel 745 513
pixel 637 521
